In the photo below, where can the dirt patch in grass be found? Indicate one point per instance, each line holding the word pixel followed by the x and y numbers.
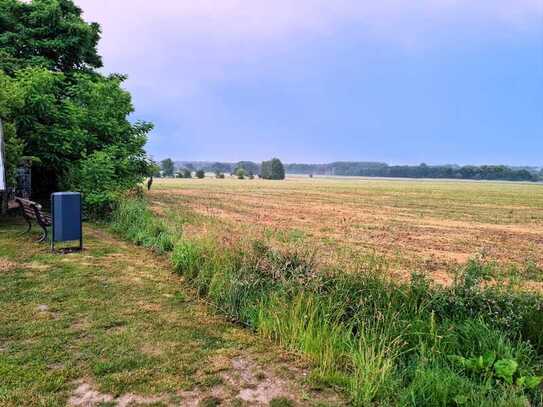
pixel 86 395
pixel 257 384
pixel 6 265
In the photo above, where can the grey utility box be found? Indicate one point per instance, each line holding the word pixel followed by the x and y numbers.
pixel 67 224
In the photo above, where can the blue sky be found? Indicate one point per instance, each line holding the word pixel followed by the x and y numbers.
pixel 435 81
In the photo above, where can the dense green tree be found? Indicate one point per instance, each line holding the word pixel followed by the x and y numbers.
pixel 200 174
pixel 273 169
pixel 167 167
pixel 277 169
pixel 46 33
pixel 155 170
pixel 265 170
pixel 249 167
pixel 240 173
pixel 67 115
pixel 187 173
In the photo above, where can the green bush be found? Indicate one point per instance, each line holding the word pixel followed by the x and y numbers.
pixel 503 307
pixel 240 173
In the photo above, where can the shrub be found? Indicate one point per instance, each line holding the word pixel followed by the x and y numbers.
pixel 97 178
pixel 532 326
pixel 200 174
pixel 467 298
pixel 240 173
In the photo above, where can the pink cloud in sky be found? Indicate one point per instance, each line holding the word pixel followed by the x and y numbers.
pixel 210 32
pixel 258 19
pixel 176 51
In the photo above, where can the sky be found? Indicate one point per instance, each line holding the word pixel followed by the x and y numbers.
pixel 399 81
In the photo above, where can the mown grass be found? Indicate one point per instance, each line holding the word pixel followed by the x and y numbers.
pixel 382 342
pixel 114 317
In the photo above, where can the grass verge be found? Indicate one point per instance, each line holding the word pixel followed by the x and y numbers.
pixel 380 341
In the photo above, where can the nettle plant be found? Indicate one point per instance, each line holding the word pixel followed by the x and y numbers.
pixel 492 370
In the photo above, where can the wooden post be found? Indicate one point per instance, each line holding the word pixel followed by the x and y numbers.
pixel 3 180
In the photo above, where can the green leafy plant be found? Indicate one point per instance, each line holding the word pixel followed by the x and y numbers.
pixel 529 382
pixel 503 369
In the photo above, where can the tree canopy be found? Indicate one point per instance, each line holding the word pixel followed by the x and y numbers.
pixel 46 33
pixel 248 166
pixel 167 167
pixel 272 169
pixel 59 108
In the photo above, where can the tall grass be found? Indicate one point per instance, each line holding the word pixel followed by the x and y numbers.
pixel 381 342
pixel 133 220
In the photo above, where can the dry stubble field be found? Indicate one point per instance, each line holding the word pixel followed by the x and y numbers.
pixel 416 225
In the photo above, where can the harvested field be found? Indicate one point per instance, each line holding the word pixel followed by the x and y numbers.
pixel 416 225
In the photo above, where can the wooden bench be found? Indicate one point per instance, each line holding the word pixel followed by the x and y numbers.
pixel 33 211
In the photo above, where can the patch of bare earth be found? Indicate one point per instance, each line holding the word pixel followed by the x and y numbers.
pixel 86 395
pixel 256 384
pixel 243 379
pixel 6 265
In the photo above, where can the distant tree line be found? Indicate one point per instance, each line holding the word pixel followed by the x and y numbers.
pixel 272 169
pixel 371 169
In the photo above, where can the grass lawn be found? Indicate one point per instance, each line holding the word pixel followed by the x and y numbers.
pixel 114 326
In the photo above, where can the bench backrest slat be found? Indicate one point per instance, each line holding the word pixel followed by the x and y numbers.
pixel 33 210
